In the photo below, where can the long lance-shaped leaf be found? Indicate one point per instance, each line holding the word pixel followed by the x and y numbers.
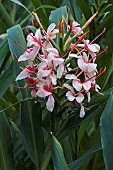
pixel 31 120
pixel 6 149
pixel 6 79
pixel 76 165
pixel 97 103
pixel 5 15
pixel 59 161
pixel 106 131
pixel 57 14
pixel 19 3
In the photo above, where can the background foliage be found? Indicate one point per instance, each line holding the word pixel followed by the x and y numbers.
pixel 25 141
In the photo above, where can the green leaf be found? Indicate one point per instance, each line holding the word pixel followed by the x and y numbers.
pixel 31 122
pixel 5 15
pixel 97 102
pixel 58 155
pixel 6 79
pixel 106 131
pixel 19 3
pixel 83 6
pixel 57 14
pixel 6 149
pixel 84 158
pixel 15 33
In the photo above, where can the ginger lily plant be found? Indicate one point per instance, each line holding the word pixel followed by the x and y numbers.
pixel 49 70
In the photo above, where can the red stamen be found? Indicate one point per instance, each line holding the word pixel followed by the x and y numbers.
pixel 15 56
pixel 20 45
pixel 104 30
pixel 106 48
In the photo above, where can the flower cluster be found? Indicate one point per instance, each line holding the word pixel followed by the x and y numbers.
pixel 49 65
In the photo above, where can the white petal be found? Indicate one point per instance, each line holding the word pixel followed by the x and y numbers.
pixel 52 50
pixel 24 57
pixel 80 98
pixel 69 87
pixel 57 61
pixel 70 96
pixel 97 87
pixel 82 65
pixel 70 76
pixel 74 55
pixel 30 40
pixel 87 85
pixel 50 103
pixel 53 78
pixel 60 71
pixel 44 73
pixel 50 28
pixel 88 95
pixel 38 34
pixel 82 111
pixel 77 85
pixel 92 48
pixel 91 67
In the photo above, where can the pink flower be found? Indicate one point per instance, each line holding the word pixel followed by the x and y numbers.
pixel 43 70
pixel 30 54
pixel 76 29
pixel 77 83
pixel 34 40
pixel 27 71
pixel 86 66
pixel 53 57
pixel 51 32
pixel 91 48
pixel 45 89
pixel 79 97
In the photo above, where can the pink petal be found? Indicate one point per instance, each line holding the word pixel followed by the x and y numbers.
pixel 50 103
pixel 70 96
pixel 24 57
pixel 30 40
pixel 34 52
pixel 80 98
pixel 38 35
pixel 23 74
pixel 42 93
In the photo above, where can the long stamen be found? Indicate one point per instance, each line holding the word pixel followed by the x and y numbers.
pixel 106 48
pixel 20 45
pixel 15 56
pixel 104 30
